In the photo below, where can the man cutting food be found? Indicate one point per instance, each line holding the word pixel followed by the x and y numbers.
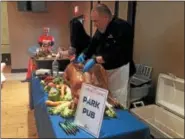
pixel 111 46
pixel 46 43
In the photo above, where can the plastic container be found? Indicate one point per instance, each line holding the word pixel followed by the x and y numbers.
pixel 43 72
pixel 47 64
pixel 144 70
pixel 166 117
pixel 140 83
pixel 138 93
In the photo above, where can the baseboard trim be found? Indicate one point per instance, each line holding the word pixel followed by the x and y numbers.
pixel 18 70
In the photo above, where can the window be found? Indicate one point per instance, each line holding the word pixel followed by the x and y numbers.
pixel 32 6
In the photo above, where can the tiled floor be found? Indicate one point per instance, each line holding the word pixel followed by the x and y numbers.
pixel 15 76
pixel 16 119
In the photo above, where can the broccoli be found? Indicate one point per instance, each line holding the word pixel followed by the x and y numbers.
pixel 47 88
pixel 58 80
pixel 110 112
pixel 68 94
pixel 50 110
pixel 60 108
pixel 66 112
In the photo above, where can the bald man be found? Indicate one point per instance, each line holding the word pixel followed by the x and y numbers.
pixel 111 47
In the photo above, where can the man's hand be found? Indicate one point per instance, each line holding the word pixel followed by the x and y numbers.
pixel 90 63
pixel 81 58
pixel 46 42
pixel 99 60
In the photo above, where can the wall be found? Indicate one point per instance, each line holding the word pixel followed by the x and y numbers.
pixel 5 48
pixel 159 37
pixel 24 29
pixel 123 8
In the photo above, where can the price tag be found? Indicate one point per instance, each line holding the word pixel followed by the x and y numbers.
pixel 91 107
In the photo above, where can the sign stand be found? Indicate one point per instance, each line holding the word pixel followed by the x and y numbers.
pixel 90 109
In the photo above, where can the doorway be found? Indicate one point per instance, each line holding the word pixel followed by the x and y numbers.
pixel 131 14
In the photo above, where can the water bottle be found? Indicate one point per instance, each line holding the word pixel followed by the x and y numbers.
pixel 72 53
pixel 55 68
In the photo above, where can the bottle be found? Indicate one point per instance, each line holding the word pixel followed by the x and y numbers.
pixel 55 68
pixel 72 53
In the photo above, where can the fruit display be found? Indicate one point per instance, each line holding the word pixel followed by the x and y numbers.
pixel 63 92
pixel 44 52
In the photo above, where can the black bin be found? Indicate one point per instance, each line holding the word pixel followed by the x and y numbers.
pixel 47 64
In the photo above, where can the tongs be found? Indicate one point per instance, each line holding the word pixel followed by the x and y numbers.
pixel 69 127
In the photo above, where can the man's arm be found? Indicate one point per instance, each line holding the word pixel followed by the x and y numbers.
pixel 88 52
pixel 122 47
pixel 40 41
pixel 73 32
pixel 52 41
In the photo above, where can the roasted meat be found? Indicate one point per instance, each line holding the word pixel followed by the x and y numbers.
pixel 97 76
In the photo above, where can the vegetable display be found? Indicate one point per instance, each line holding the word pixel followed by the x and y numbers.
pixel 61 100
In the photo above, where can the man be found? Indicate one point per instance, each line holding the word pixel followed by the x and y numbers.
pixel 46 39
pixel 45 42
pixel 78 36
pixel 112 47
